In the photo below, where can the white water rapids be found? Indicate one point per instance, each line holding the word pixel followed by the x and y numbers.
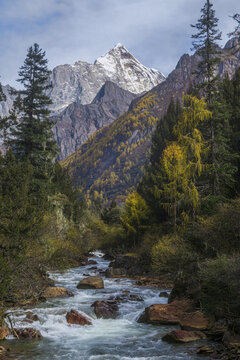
pixel 107 339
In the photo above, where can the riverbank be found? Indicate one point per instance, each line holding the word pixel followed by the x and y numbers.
pixel 120 338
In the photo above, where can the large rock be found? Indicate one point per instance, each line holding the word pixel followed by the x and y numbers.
pixel 91 282
pixel 179 312
pixel 194 321
pixel 74 317
pixel 114 272
pixel 4 330
pixel 231 340
pixel 182 336
pixel 27 333
pixel 125 297
pixel 56 291
pixel 106 309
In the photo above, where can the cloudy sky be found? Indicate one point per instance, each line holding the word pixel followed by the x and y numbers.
pixel 157 32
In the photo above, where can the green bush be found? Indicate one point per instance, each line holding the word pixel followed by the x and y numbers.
pixel 220 287
pixel 170 254
pixel 219 233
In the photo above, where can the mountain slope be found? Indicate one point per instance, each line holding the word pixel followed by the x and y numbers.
pixel 77 122
pixel 110 163
pixel 82 81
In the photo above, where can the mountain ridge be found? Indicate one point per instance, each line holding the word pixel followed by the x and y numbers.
pixel 110 163
pixel 77 122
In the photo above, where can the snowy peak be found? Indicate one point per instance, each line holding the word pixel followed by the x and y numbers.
pixel 134 77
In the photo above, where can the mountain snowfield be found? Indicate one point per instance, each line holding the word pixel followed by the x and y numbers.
pixel 82 81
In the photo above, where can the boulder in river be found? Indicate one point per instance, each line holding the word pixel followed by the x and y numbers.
pixel 91 262
pixel 179 312
pixel 27 333
pixel 126 297
pixel 106 309
pixel 182 336
pixel 74 317
pixel 4 330
pixel 56 291
pixel 30 316
pixel 114 272
pixel 91 282
pixel 163 294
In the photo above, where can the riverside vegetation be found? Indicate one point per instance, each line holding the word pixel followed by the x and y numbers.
pixel 180 221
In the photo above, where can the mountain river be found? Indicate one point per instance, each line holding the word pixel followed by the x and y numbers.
pixel 107 339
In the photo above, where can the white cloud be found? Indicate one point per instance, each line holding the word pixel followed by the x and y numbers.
pixel 156 31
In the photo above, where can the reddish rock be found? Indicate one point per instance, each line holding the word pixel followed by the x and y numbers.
pixel 27 333
pixel 74 317
pixel 91 282
pixel 56 291
pixel 4 331
pixel 194 321
pixel 179 312
pixel 106 309
pixel 182 336
pixel 2 350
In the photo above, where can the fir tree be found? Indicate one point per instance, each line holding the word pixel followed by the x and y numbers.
pixel 235 126
pixel 29 126
pixel 205 43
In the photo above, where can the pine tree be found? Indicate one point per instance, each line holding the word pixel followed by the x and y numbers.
pixel 29 125
pixel 205 43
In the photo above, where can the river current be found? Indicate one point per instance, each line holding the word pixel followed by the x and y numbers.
pixel 107 339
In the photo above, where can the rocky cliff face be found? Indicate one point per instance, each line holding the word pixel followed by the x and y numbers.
pixel 82 81
pixel 111 162
pixel 77 122
pixel 5 106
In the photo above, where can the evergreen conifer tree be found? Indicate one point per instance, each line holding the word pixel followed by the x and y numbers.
pixel 205 43
pixel 29 126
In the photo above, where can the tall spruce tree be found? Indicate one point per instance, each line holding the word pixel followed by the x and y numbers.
pixel 206 44
pixel 29 126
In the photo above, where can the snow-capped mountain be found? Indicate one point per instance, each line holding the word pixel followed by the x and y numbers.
pixel 82 81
